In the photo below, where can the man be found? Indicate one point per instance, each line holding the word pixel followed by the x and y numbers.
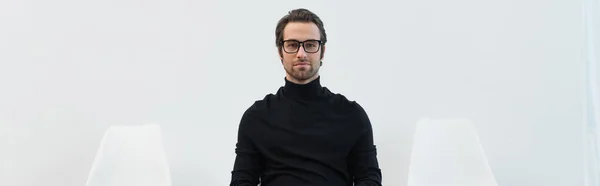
pixel 304 135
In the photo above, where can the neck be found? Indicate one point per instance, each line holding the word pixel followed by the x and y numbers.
pixel 288 77
pixel 308 90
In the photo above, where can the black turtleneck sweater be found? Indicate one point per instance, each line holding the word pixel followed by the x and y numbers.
pixel 305 135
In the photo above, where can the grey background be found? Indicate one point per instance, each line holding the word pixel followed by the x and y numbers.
pixel 69 69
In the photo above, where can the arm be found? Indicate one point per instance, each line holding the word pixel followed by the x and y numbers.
pixel 363 161
pixel 249 163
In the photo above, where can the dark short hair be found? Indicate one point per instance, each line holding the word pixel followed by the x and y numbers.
pixel 299 15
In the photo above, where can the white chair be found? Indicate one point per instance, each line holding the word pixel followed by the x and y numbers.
pixel 448 153
pixel 130 156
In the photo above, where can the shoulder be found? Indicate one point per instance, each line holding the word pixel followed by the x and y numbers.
pixel 343 102
pixel 351 108
pixel 253 114
pixel 261 106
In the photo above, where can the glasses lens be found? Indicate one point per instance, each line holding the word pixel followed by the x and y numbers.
pixel 311 46
pixel 291 46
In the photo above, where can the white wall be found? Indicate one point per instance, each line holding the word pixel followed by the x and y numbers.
pixel 69 69
pixel 592 92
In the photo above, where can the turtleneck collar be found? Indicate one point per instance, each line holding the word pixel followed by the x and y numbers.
pixel 310 90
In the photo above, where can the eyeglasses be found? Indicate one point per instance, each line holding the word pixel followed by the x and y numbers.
pixel 292 46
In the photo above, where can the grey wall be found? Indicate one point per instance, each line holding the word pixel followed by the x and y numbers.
pixel 69 69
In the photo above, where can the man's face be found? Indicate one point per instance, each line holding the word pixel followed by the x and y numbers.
pixel 301 66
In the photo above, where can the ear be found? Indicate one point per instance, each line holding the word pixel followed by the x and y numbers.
pixel 280 55
pixel 322 51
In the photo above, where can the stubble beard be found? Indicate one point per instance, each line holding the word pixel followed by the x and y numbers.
pixel 302 74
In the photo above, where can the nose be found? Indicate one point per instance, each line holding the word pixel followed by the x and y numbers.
pixel 301 53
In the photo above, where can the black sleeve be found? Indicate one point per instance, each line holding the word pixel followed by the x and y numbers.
pixel 249 163
pixel 363 161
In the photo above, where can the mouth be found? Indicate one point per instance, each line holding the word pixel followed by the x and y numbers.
pixel 302 64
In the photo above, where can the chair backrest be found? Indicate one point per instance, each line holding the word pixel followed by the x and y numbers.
pixel 130 156
pixel 447 152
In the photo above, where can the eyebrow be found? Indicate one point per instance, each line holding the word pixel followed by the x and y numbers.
pixel 301 41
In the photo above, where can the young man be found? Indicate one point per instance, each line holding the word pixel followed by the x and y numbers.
pixel 304 135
